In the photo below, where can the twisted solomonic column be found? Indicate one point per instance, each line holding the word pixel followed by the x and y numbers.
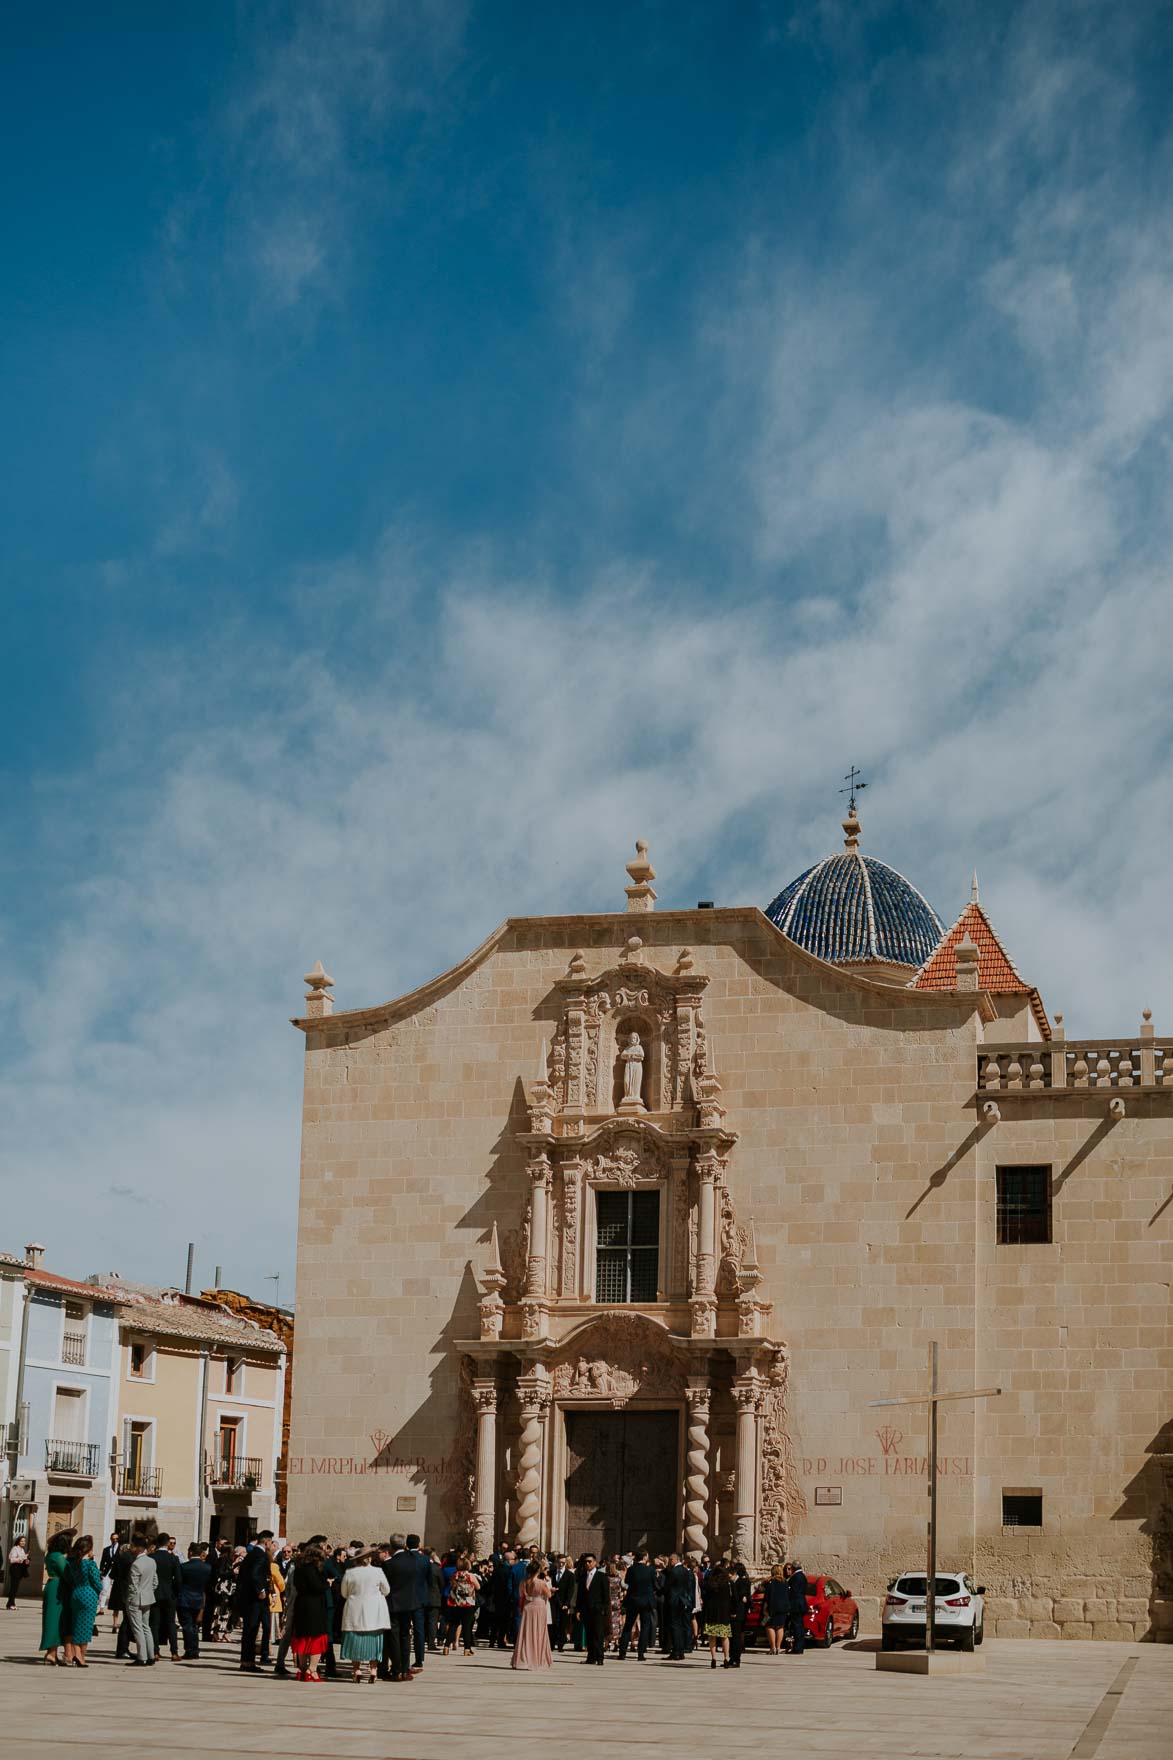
pixel 529 1466
pixel 696 1471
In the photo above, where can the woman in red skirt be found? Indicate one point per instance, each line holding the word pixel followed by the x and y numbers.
pixel 311 1623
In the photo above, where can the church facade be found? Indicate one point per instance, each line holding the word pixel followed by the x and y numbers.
pixel 615 1232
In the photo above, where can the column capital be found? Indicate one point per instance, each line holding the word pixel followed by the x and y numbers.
pixel 484 1393
pixel 539 1169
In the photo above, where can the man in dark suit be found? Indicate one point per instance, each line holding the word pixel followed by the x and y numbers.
pixel 119 1576
pixel 402 1574
pixel 679 1596
pixel 639 1603
pixel 741 1590
pixel 194 1577
pixel 164 1614
pixel 561 1601
pixel 798 1610
pixel 594 1604
pixel 109 1554
pixel 501 1589
pixel 220 1561
pixel 423 1572
pixel 254 1584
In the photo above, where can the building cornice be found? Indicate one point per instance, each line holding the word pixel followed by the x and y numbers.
pixel 957 1003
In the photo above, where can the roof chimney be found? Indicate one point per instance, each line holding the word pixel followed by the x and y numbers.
pixel 34 1256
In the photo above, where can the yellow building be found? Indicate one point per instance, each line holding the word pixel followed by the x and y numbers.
pixel 199 1408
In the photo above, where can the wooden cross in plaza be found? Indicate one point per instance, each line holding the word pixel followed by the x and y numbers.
pixel 933 1399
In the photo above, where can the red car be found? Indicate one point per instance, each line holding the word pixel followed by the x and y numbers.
pixel 830 1613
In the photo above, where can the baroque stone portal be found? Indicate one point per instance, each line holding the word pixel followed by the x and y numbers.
pixel 633 1284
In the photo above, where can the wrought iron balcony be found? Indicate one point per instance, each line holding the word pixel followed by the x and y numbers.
pixel 73 1348
pixel 78 1460
pixel 238 1472
pixel 140 1481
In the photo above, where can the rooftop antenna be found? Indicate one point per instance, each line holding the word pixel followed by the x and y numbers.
pixel 275 1278
pixel 190 1266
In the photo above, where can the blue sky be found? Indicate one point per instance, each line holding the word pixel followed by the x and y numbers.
pixel 445 441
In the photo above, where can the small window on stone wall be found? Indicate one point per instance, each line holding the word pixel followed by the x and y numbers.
pixel 1024 1205
pixel 1022 1509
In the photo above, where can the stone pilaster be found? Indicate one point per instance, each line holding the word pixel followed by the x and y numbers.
pixel 536 1266
pixel 484 1510
pixel 747 1394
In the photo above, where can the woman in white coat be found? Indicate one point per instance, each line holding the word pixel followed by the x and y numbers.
pixel 364 1614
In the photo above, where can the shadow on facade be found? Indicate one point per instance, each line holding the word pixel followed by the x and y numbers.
pixel 1148 1499
pixel 416 1451
pixel 941 1174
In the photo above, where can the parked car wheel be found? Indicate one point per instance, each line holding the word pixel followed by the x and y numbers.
pixel 967 1638
pixel 854 1628
pixel 828 1637
pixel 980 1633
pixel 889 1640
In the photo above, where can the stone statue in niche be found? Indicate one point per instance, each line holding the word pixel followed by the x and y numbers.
pixel 631 1059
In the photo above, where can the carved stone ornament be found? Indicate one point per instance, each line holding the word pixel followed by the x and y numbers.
pixel 484 1398
pixel 630 1161
pixel 619 1358
pixel 782 1501
pixel 492 1312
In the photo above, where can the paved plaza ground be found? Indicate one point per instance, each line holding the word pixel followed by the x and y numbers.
pixel 1046 1700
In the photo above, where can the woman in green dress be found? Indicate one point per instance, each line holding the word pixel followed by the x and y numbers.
pixel 85 1585
pixel 51 1596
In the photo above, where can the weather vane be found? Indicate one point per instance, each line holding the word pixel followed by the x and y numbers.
pixel 855 786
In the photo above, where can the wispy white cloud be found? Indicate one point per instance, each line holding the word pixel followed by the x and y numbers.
pixel 297 137
pixel 964 585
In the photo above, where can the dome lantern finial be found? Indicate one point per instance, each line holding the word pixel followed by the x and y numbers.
pixel 851 825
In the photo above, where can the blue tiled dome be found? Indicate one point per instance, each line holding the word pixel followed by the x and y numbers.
pixel 852 909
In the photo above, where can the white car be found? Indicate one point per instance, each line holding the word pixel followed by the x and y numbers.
pixel 958 1611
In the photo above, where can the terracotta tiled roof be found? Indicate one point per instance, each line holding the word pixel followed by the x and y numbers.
pixel 49 1280
pixel 171 1314
pixel 996 970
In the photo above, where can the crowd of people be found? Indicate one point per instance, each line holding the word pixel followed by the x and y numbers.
pixel 384 1608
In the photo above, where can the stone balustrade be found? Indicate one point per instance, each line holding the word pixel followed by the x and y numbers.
pixel 1112 1064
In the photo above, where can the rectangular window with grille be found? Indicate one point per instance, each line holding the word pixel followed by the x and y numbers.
pixel 1022 1509
pixel 627 1263
pixel 1024 1205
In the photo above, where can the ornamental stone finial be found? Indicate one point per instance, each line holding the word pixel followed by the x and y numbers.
pixel 577 966
pixel 493 1277
pixel 973 889
pixel 317 1002
pixel 640 896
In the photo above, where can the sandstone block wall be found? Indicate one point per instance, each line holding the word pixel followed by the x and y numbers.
pixel 871 1184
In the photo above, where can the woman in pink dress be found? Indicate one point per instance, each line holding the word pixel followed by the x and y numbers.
pixel 532 1647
